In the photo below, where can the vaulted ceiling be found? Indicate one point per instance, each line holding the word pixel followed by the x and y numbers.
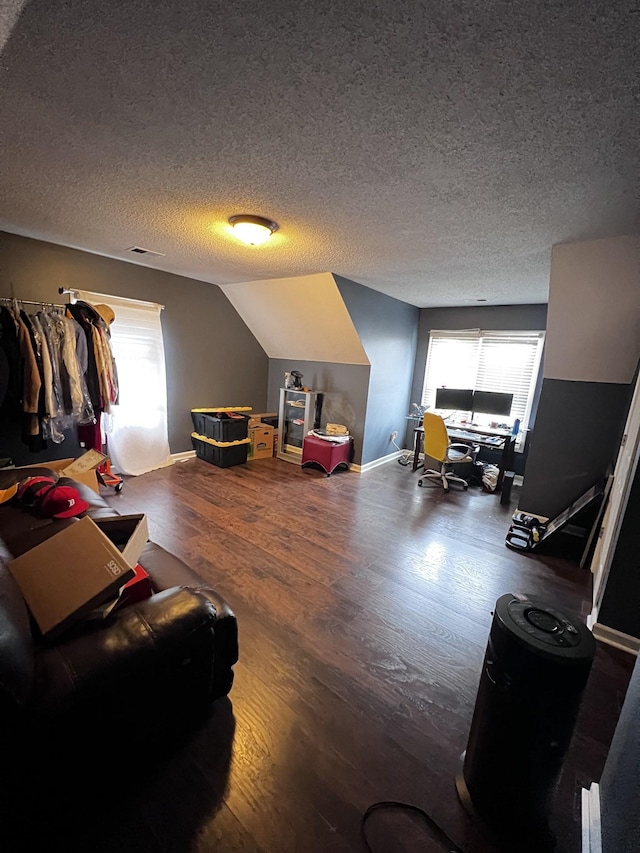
pixel 430 150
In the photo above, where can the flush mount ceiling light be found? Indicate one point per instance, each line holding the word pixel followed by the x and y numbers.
pixel 252 230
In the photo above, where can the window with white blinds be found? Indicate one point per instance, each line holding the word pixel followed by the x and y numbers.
pixel 485 361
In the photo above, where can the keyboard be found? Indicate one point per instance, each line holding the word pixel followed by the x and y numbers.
pixel 493 440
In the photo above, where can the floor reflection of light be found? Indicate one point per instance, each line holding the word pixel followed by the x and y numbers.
pixel 433 560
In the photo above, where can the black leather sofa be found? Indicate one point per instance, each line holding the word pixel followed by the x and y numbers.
pixel 150 662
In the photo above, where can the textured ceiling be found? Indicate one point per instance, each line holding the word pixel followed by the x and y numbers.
pixel 9 14
pixel 432 151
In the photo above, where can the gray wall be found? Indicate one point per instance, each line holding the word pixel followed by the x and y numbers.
pixel 211 356
pixel 620 782
pixel 388 329
pixel 345 392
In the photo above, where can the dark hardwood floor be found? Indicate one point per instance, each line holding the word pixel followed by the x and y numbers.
pixel 364 604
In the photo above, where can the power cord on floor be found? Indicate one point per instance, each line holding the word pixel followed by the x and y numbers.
pixel 436 833
pixel 405 459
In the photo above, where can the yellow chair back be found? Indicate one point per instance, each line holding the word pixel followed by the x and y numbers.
pixel 436 439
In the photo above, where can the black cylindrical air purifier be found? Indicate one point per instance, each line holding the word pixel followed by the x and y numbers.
pixel 535 669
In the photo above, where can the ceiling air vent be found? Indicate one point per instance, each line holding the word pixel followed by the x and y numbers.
pixel 138 250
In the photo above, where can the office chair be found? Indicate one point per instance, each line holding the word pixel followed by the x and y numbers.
pixel 437 446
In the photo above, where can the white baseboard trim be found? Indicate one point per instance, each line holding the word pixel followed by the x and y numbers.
pixel 180 457
pixel 617 639
pixel 362 469
pixel 591 827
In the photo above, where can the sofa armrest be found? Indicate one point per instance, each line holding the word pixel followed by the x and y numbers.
pixel 155 656
pixel 17 657
pixel 167 570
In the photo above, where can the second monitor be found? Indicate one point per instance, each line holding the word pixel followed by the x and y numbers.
pixel 492 403
pixel 481 402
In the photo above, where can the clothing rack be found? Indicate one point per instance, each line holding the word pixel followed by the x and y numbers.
pixel 31 302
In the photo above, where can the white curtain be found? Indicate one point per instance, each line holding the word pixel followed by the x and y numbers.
pixel 138 439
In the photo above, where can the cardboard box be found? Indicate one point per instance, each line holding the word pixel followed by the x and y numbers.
pixel 129 533
pixel 137 589
pixel 75 468
pixel 68 575
pixel 261 446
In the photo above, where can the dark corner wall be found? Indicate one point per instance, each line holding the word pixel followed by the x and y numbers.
pixel 503 318
pixel 388 329
pixel 211 356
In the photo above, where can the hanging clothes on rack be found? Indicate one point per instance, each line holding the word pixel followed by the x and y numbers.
pixel 30 378
pixel 12 375
pixel 46 389
pixel 101 373
pixel 22 399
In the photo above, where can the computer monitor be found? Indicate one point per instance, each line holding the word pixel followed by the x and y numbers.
pixel 458 399
pixel 492 403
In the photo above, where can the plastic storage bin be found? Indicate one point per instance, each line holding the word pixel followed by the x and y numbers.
pixel 222 454
pixel 220 424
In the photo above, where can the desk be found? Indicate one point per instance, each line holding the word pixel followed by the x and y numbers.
pixel 496 439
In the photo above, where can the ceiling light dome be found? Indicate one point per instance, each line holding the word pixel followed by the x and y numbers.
pixel 252 230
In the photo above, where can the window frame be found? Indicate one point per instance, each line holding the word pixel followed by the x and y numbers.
pixel 471 335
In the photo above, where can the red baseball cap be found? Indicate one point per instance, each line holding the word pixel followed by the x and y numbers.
pixel 61 502
pixel 29 489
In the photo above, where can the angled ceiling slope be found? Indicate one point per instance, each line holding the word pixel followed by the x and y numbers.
pixel 302 317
